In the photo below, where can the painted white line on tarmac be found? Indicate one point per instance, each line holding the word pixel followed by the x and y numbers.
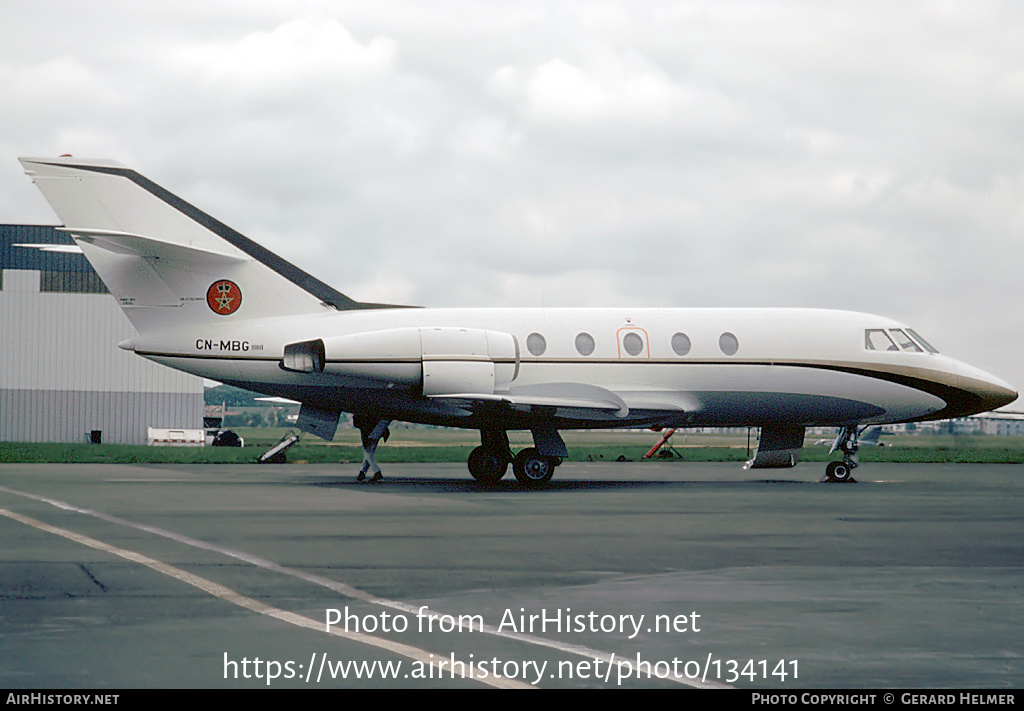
pixel 229 595
pixel 356 594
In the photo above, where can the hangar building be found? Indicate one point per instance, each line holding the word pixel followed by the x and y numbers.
pixel 63 378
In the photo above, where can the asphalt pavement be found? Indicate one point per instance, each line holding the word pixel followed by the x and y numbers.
pixel 668 575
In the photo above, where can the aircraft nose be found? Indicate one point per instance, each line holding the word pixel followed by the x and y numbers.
pixel 990 390
pixel 997 394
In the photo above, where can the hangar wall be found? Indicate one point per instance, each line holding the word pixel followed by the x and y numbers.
pixel 62 374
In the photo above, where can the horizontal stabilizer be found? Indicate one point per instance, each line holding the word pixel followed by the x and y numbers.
pixel 139 246
pixel 62 248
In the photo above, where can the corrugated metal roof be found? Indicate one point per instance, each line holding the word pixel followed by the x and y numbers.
pixel 12 257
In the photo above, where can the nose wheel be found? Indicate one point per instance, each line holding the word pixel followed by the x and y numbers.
pixel 846 442
pixel 839 472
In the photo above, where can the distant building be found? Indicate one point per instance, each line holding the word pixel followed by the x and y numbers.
pixel 62 376
pixel 995 423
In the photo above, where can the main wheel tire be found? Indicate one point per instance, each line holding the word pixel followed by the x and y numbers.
pixel 532 468
pixel 838 471
pixel 486 465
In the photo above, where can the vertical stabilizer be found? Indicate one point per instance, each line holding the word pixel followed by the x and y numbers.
pixel 168 263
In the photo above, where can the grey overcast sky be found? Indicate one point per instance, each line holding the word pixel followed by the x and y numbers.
pixel 858 155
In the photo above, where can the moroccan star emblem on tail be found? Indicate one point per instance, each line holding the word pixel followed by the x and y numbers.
pixel 224 297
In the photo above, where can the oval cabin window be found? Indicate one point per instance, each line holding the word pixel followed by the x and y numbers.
pixel 681 344
pixel 633 344
pixel 584 344
pixel 536 344
pixel 728 343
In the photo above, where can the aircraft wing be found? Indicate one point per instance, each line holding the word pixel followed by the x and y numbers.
pixel 576 400
pixel 575 396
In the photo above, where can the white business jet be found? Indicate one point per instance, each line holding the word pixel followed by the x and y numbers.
pixel 207 300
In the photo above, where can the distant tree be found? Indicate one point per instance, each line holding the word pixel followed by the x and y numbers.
pixel 235 421
pixel 231 396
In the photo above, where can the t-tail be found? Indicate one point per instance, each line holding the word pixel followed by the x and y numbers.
pixel 166 262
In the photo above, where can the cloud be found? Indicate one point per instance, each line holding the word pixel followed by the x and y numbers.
pixel 276 69
pixel 863 156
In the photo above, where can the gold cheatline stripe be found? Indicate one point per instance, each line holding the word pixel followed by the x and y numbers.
pixel 863 368
pixel 229 595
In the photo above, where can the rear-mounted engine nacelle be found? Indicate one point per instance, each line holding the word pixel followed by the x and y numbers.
pixel 443 361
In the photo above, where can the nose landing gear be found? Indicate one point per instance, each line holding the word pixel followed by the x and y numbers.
pixel 846 442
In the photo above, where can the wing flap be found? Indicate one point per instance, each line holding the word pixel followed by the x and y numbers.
pixel 575 396
pixel 579 400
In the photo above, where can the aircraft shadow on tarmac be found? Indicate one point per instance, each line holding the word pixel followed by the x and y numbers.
pixel 408 484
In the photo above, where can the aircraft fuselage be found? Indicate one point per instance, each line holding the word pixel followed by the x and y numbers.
pixel 670 367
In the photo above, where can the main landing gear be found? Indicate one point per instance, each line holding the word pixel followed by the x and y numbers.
pixel 533 468
pixel 487 466
pixel 489 462
pixel 842 472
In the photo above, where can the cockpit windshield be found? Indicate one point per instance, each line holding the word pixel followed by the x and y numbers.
pixel 881 339
pixel 875 339
pixel 904 340
pixel 927 346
